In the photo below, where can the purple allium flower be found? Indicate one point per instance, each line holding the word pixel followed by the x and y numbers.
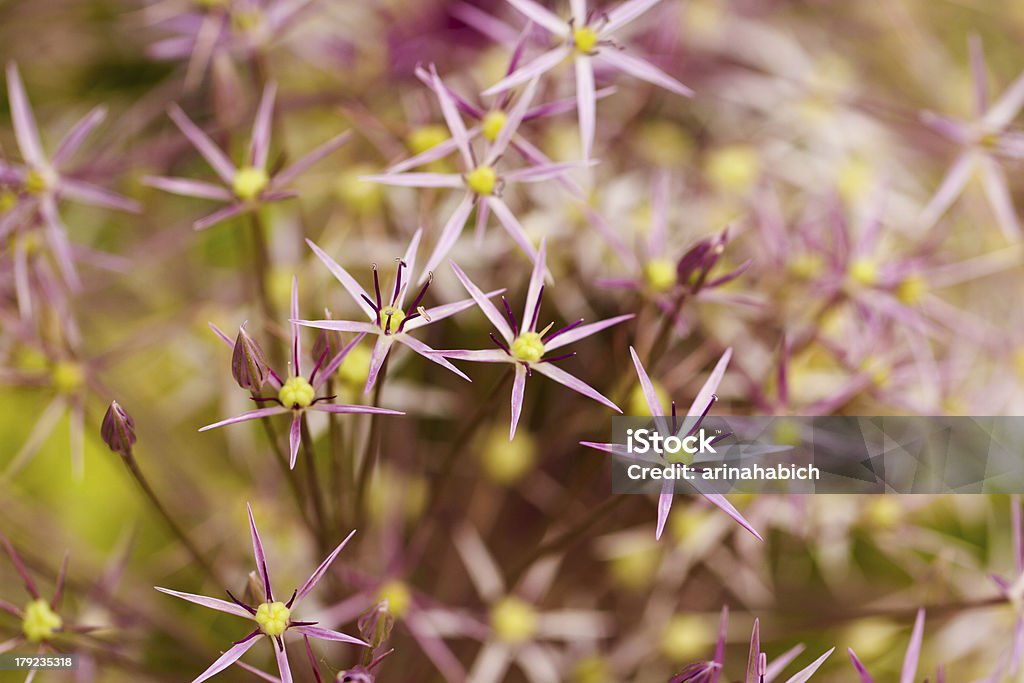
pixel 525 347
pixel 296 394
pixel 480 181
pixel 908 674
pixel 391 320
pixel 984 139
pixel 246 187
pixel 690 423
pixel 43 181
pixel 273 618
pixel 586 37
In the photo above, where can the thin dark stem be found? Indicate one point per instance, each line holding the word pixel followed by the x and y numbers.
pixel 312 482
pixel 261 268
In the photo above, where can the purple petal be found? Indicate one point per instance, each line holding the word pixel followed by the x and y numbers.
pixel 56 234
pixel 328 634
pixel 1006 107
pixel 25 130
pixel 997 190
pixel 227 659
pixel 515 117
pixel 536 284
pixel 444 311
pixel 341 326
pixel 409 259
pixel 259 555
pixel 533 174
pixel 952 185
pixel 512 225
pixel 700 402
pixel 340 408
pixel 450 233
pixel 218 161
pixel 296 337
pixel 212 603
pixel 625 13
pixel 541 16
pixel 282 664
pixel 318 574
pixel 480 356
pixel 804 675
pixel 909 670
pixel 87 193
pixel 77 135
pixel 290 173
pixel 979 74
pixel 452 180
pixel 377 356
pixel 488 308
pixel 538 66
pixel 645 71
pixel 574 383
pixel 578 10
pixel 328 370
pixel 189 188
pixel 259 146
pixel 453 119
pixel 251 415
pixel 346 280
pixel 584 331
pixel 723 504
pixel 585 103
pixel 650 395
pixel 438 151
pixel 865 677
pixel 664 506
pixel 219 216
pixel 779 664
pixel 518 389
pixel 429 353
pixel 294 437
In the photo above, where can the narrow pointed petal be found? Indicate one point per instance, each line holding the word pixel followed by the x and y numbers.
pixel 1007 106
pixel 328 634
pixel 94 195
pixel 450 233
pixel 478 356
pixel 354 289
pixel 542 16
pixel 997 190
pixel 491 664
pixel 19 567
pixel 700 402
pixel 488 308
pixel 41 430
pixel 586 105
pixel 723 504
pixel 754 654
pixel 664 507
pixel 538 66
pixel 979 74
pixel 909 671
pixel 259 146
pixel 250 415
pixel 62 575
pixel 574 383
pixel 865 677
pixel 578 10
pixel 512 225
pixel 625 13
pixel 409 259
pixel 318 574
pixel 342 408
pixel 219 216
pixel 515 117
pixel 584 331
pixel 218 161
pixel 259 555
pixel 429 353
pixel 536 284
pixel 26 132
pixel 438 151
pixel 77 135
pixel 282 664
pixel 332 366
pixel 480 565
pixel 518 390
pixel 723 633
pixel 341 326
pixel 56 235
pixel 377 356
pixel 453 119
pixel 451 180
pixel 294 438
pixel 952 185
pixel 650 395
pixel 804 675
pixel 212 603
pixel 227 659
pixel 445 311
pixel 534 174
pixel 290 173
pixel 779 664
pixel 189 188
pixel 296 337
pixel 644 70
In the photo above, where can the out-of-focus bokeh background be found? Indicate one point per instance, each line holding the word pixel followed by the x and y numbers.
pixel 852 152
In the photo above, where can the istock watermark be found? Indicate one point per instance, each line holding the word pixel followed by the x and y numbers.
pixel 835 454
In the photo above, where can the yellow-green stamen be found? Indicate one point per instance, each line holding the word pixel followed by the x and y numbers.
pixel 492 124
pixel 398 597
pixel 660 275
pixel 482 180
pixel 297 392
pixel 249 182
pixel 272 618
pixel 67 377
pixel 40 621
pixel 864 272
pixel 513 620
pixel 38 181
pixel 391 318
pixel 528 347
pixel 585 39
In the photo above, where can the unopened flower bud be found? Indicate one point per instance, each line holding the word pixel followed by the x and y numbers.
pixel 248 364
pixel 118 429
pixel 375 625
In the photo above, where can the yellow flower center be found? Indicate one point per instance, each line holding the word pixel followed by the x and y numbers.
pixel 67 377
pixel 482 180
pixel 246 20
pixel 806 266
pixel 426 137
pixel 40 622
pixel 660 275
pixel 733 168
pixel 592 669
pixel 390 318
pixel 493 122
pixel 355 367
pixel 272 618
pixel 506 462
pixel 513 620
pixel 585 39
pixel 7 200
pixel 876 369
pixel 685 637
pixel 297 392
pixel 864 272
pixel 398 597
pixel 912 289
pixel 249 182
pixel 39 180
pixel 528 347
